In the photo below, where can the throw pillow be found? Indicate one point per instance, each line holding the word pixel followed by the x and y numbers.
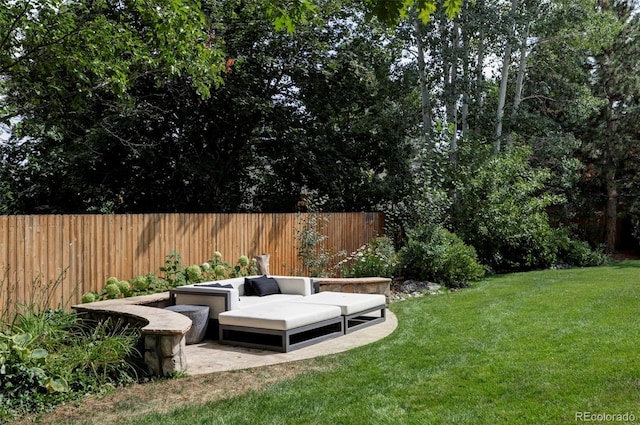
pixel 215 285
pixel 248 287
pixel 262 286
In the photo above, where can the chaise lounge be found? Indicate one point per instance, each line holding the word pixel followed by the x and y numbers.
pixel 280 313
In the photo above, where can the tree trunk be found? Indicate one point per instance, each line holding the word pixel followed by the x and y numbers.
pixel 612 212
pixel 464 118
pixel 517 98
pixel 502 96
pixel 451 93
pixel 262 262
pixel 611 217
pixel 479 69
pixel 424 90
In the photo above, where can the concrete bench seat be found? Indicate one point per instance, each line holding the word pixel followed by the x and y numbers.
pixel 280 326
pixel 163 330
pixel 159 321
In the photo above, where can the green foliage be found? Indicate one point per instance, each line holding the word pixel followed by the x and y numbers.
pixel 175 274
pixel 376 258
pixel 112 279
pixel 286 15
pixel 166 38
pixel 99 354
pixel 82 64
pixel 502 213
pixel 88 297
pixel 311 239
pixel 391 11
pixel 51 356
pixel 194 274
pixel 216 268
pixel 112 290
pixel 434 254
pixel 140 283
pixel 578 253
pixel 122 154
pixel 125 288
pixel 24 382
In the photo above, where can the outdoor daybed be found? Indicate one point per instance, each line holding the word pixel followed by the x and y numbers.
pixel 280 313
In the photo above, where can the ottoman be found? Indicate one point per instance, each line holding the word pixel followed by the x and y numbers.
pixel 199 315
pixel 354 308
pixel 280 326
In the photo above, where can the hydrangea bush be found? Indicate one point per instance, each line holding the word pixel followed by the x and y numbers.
pixel 174 274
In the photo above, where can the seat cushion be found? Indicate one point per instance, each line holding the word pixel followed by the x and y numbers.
pixel 279 316
pixel 253 301
pixel 349 303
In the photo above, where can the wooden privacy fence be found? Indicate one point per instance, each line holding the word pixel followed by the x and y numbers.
pixel 82 251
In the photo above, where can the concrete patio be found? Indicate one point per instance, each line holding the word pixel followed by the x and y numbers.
pixel 210 356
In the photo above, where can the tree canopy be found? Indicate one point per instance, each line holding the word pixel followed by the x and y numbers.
pixel 464 114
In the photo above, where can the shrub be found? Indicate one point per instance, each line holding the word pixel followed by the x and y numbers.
pixel 25 385
pixel 175 275
pixel 216 268
pixel 575 252
pixel 434 254
pixel 140 283
pixel 48 357
pixel 112 290
pixel 377 258
pixel 88 297
pixel 99 354
pixel 125 288
pixel 243 261
pixel 502 212
pixel 194 274
pixel 311 240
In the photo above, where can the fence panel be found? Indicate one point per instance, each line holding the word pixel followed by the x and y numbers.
pixel 82 251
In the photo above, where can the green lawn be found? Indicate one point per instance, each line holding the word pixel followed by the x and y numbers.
pixel 529 348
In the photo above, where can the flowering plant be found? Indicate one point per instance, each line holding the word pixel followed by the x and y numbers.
pixel 377 258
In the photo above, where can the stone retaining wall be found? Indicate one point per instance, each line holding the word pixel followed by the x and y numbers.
pixel 163 331
pixel 165 354
pixel 359 285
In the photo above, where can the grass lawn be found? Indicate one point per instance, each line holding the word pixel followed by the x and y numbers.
pixel 530 348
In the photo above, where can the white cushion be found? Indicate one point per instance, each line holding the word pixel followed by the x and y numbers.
pixel 294 285
pixel 349 303
pixel 279 316
pixel 252 301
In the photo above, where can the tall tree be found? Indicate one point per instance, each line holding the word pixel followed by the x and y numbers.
pixel 618 84
pixel 291 108
pixel 504 78
pixel 583 79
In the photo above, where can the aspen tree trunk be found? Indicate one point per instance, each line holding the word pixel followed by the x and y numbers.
pixel 502 95
pixel 451 93
pixel 479 99
pixel 464 118
pixel 424 90
pixel 517 98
